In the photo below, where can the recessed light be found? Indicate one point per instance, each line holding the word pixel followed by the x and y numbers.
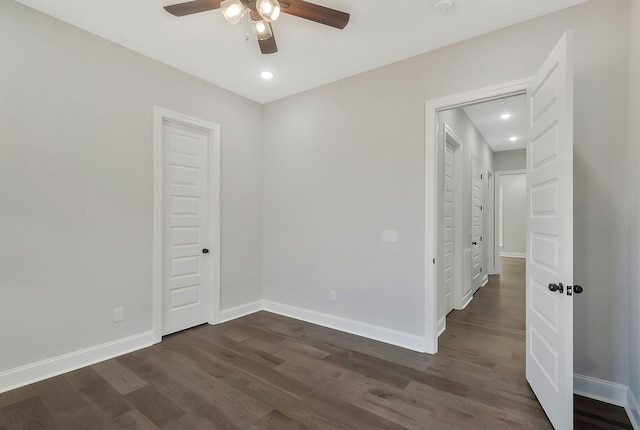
pixel 513 138
pixel 267 75
pixel 505 116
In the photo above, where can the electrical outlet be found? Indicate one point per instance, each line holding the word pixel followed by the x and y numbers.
pixel 332 295
pixel 118 314
pixel 390 236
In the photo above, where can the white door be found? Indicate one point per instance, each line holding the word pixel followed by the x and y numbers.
pixel 449 226
pixel 185 197
pixel 550 235
pixel 477 222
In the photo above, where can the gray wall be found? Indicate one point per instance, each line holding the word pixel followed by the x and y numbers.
pixel 76 185
pixel 514 213
pixel 516 159
pixel 345 161
pixel 634 180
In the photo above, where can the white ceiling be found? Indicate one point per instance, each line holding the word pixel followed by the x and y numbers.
pixel 497 131
pixel 310 54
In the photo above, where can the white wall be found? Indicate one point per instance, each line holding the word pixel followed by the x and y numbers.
pixel 633 193
pixel 515 159
pixel 514 214
pixel 345 161
pixel 76 186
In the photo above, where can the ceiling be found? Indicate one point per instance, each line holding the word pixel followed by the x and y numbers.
pixel 310 54
pixel 497 131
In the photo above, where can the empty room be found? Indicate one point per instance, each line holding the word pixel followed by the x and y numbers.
pixel 267 214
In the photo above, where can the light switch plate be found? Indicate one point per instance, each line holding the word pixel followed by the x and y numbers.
pixel 390 236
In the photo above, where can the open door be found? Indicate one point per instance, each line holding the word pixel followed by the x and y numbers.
pixel 549 272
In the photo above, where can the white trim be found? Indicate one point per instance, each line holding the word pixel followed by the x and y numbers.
pixel 431 174
pixel 382 334
pixel 34 372
pixel 240 311
pixel 633 409
pixel 213 130
pixel 442 325
pixel 449 136
pixel 513 254
pixel 599 389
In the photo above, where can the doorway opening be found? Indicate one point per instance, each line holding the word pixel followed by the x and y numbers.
pixel 186 222
pixel 493 142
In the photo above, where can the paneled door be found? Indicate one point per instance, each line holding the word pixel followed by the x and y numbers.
pixel 185 197
pixel 477 224
pixel 550 235
pixel 449 227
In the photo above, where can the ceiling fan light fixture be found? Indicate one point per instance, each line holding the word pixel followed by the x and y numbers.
pixel 263 29
pixel 233 10
pixel 268 9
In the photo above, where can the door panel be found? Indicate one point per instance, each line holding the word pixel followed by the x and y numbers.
pixel 185 277
pixel 477 223
pixel 449 223
pixel 550 235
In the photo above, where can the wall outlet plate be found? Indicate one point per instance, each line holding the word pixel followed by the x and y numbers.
pixel 118 314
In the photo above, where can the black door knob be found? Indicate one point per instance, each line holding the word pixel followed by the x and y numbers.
pixel 205 251
pixel 474 243
pixel 578 289
pixel 554 287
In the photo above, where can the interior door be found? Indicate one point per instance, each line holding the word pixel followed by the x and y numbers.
pixel 449 226
pixel 550 235
pixel 185 196
pixel 477 221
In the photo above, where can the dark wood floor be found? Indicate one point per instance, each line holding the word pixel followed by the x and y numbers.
pixel 269 372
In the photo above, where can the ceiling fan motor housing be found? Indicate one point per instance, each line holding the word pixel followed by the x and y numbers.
pixel 443 5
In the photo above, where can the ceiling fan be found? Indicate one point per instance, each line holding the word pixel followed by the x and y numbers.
pixel 262 13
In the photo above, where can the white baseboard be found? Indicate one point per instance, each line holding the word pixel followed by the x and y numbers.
pixel 34 372
pixel 442 325
pixel 598 389
pixel 240 311
pixel 633 409
pixel 382 334
pixel 513 254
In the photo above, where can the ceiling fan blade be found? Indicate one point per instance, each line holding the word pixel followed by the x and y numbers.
pixel 268 46
pixel 316 13
pixel 182 9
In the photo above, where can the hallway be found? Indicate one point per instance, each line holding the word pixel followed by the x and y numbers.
pixel 483 348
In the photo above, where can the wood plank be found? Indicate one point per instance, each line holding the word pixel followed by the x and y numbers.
pixel 155 406
pixel 28 414
pixel 120 378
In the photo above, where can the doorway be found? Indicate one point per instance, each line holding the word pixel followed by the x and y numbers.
pixel 186 245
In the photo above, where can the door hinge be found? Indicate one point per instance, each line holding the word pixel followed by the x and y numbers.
pixel 481 270
pixel 480 207
pixel 481 176
pixel 434 261
pixel 480 238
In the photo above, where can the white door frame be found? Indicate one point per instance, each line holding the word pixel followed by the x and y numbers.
pixel 432 172
pixel 458 242
pixel 213 131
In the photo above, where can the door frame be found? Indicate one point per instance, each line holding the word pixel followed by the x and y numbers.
pixel 432 172
pixel 213 131
pixel 449 136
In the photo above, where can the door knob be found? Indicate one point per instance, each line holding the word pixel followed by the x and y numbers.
pixel 205 251
pixel 554 287
pixel 578 289
pixel 474 243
